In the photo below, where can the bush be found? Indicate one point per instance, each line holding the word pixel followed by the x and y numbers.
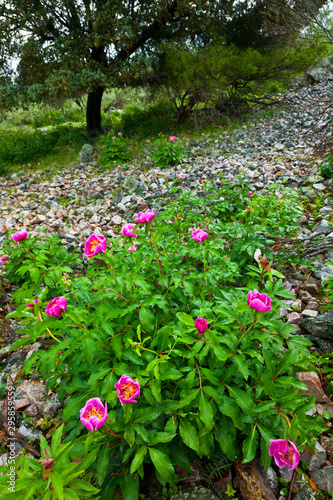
pixel 167 151
pixel 26 146
pixel 148 121
pixel 115 148
pixel 175 314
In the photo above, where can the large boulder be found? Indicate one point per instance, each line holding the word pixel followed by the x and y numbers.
pixel 320 326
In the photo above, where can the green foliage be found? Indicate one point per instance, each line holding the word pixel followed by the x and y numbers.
pixel 148 121
pixel 326 168
pixel 115 148
pixel 228 391
pixel 220 75
pixel 167 151
pixel 58 476
pixel 25 146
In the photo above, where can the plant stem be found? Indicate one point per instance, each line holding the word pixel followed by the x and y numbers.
pixel 240 340
pixel 158 260
pixel 292 485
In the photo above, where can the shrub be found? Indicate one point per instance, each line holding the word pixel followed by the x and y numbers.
pixel 167 151
pixel 25 146
pixel 148 121
pixel 115 148
pixel 186 313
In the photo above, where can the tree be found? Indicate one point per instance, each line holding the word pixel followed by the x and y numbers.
pixel 67 47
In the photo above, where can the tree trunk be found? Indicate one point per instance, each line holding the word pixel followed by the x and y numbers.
pixel 93 115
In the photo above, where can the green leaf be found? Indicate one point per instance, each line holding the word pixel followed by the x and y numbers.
pixel 242 398
pixel 70 494
pixel 138 459
pixel 277 274
pixel 327 415
pixel 206 413
pixel 241 364
pixel 189 434
pixel 34 273
pixel 56 440
pixel 185 318
pixel 102 464
pixel 129 435
pixel 79 484
pixel 288 360
pixel 242 307
pixel 162 464
pixel 147 319
pixel 57 484
pixel 88 349
pixel 129 487
pixel 249 446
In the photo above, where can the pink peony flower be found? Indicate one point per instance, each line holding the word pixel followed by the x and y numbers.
pixel 93 415
pixel 120 134
pixel 250 193
pixel 127 389
pixel 35 301
pixel 259 301
pixel 127 230
pixel 4 228
pixel 201 325
pixel 132 249
pixel 181 176
pixel 50 116
pixel 285 453
pixel 199 235
pixel 172 138
pixel 94 244
pixel 146 216
pixel 56 306
pixel 21 235
pixel 113 138
pixel 3 259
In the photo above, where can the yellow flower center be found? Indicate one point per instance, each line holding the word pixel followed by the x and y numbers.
pixel 94 412
pixel 288 457
pixel 128 390
pixel 93 244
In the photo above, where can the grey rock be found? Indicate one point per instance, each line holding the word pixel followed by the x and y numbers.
pixel 323 478
pixel 194 492
pixel 319 186
pixel 304 495
pixel 286 474
pixel 116 219
pixel 327 443
pixel 323 272
pixel 321 326
pixel 273 480
pixel 315 178
pixel 30 434
pixel 309 313
pixel 50 408
pixel 323 229
pixel 314 458
pixel 86 153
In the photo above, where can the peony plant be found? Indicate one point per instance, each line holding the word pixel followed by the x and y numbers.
pixel 125 332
